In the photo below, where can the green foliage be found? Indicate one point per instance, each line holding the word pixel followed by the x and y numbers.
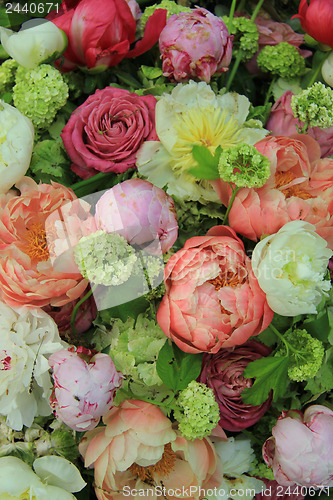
pixel 207 163
pixel 282 60
pixel 323 381
pixel 246 36
pixel 49 162
pixel 124 311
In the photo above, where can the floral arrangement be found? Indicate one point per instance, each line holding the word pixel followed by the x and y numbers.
pixel 166 250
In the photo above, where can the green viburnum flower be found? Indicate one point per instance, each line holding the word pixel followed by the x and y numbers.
pixel 39 94
pixel 244 166
pixel 306 362
pixel 7 75
pixel 104 258
pixel 282 60
pixel 169 5
pixel 199 412
pixel 246 36
pixel 314 106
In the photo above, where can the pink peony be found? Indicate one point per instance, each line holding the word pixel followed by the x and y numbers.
pixel 105 133
pixel 138 448
pixel 195 44
pixel 84 386
pixel 140 212
pixel 100 34
pixel 222 372
pixel 212 297
pixel 27 274
pixel 301 448
pixel 290 192
pixel 281 121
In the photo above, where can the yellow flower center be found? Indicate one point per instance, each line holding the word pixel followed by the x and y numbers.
pixel 163 467
pixel 37 244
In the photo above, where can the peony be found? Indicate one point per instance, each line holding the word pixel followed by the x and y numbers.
pixel 316 19
pixel 301 448
pixel 281 121
pixel 290 267
pixel 27 340
pixel 54 477
pixel 193 114
pixel 223 373
pixel 195 44
pixel 140 212
pixel 27 243
pixel 16 143
pixel 212 297
pixel 138 448
pixel 83 390
pixel 105 133
pixel 37 41
pixel 100 35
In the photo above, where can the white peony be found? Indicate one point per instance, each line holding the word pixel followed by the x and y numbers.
pixel 194 114
pixel 55 479
pixel 290 267
pixel 27 339
pixel 37 41
pixel 16 143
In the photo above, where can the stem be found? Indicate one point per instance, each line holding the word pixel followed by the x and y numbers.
pixel 231 14
pixel 77 306
pixel 241 6
pixel 234 192
pixel 269 91
pixel 147 400
pixel 280 336
pixel 256 10
pixel 234 70
pixel 91 182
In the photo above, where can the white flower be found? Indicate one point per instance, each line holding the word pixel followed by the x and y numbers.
pixel 27 338
pixel 55 479
pixel 16 143
pixel 193 114
pixel 327 70
pixel 236 456
pixel 37 41
pixel 290 267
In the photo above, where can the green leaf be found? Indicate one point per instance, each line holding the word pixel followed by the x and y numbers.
pixel 323 381
pixel 177 368
pixel 208 164
pixel 270 374
pixel 11 19
pixel 151 72
pixel 130 309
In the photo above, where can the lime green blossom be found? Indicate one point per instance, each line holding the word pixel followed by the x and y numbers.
pixel 246 36
pixel 260 469
pixel 282 60
pixel 104 258
pixel 199 412
pixel 39 94
pixel 314 106
pixel 244 166
pixel 169 5
pixel 7 75
pixel 306 362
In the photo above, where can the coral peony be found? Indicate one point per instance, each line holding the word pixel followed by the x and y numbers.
pixel 99 35
pixel 316 19
pixel 301 448
pixel 140 212
pixel 223 373
pixel 27 275
pixel 83 390
pixel 212 297
pixel 105 133
pixel 282 121
pixel 195 44
pixel 138 449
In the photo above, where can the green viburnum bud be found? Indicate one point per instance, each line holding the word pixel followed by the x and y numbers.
pixel 244 166
pixel 314 106
pixel 199 412
pixel 246 36
pixel 282 60
pixel 170 6
pixel 104 258
pixel 7 75
pixel 306 362
pixel 39 94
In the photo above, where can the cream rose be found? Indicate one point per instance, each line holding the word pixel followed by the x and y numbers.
pixel 290 266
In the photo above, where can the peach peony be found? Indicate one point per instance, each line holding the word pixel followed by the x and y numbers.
pixel 27 276
pixel 212 297
pixel 300 188
pixel 124 461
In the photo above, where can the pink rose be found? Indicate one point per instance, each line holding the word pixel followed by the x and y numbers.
pixel 222 372
pixel 140 212
pixel 83 390
pixel 301 448
pixel 195 44
pixel 105 133
pixel 212 297
pixel 100 34
pixel 281 121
